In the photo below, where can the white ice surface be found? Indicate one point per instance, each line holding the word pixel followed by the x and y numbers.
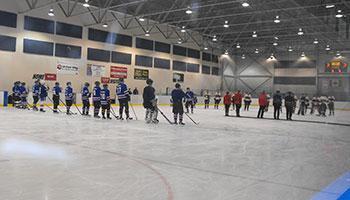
pixel 58 157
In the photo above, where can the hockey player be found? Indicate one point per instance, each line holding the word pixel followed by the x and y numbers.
pixel 262 104
pixel 69 97
pixel 238 102
pixel 217 100
pixel 24 94
pixel 295 103
pixel 247 101
pixel 106 102
pixel 331 101
pixel 307 103
pixel 85 96
pixel 227 102
pixel 302 105
pixel 43 95
pixel 56 91
pixel 123 98
pixel 36 94
pixel 96 98
pixel 268 97
pixel 206 100
pixel 177 96
pixel 313 105
pixel 323 106
pixel 277 103
pixel 16 94
pixel 289 103
pixel 189 100
pixel 150 102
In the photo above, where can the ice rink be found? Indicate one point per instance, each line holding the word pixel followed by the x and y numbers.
pixel 57 157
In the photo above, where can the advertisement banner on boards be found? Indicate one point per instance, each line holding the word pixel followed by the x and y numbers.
pixel 50 77
pixel 141 74
pixel 96 70
pixel 119 72
pixel 67 68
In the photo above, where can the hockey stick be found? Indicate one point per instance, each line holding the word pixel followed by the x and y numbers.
pixel 77 108
pixel 164 116
pixel 196 123
pixel 66 107
pixel 133 110
pixel 113 112
pixel 54 103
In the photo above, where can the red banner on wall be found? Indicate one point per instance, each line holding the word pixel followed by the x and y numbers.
pixel 119 72
pixel 105 80
pixel 50 77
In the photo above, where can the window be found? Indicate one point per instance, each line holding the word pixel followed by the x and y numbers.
pixel 69 30
pixel 205 69
pixel 206 56
pixel 215 71
pixel 38 47
pixel 192 53
pixel 107 37
pixel 215 59
pixel 67 51
pixel 161 63
pixel 179 66
pixel 7 43
pixel 124 40
pixel 193 67
pixel 295 80
pixel 181 51
pixel 99 55
pixel 98 35
pixel 144 44
pixel 39 25
pixel 8 19
pixel 122 58
pixel 162 47
pixel 144 61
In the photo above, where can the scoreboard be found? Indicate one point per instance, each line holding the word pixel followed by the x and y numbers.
pixel 337 66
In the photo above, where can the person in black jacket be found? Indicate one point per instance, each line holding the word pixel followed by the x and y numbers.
pixel 277 103
pixel 289 101
pixel 177 97
pixel 150 102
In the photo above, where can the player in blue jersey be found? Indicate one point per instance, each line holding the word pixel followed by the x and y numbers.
pixel 123 98
pixel 69 97
pixel 189 100
pixel 106 102
pixel 16 94
pixel 36 93
pixel 85 96
pixel 24 94
pixel 56 91
pixel 177 96
pixel 43 94
pixel 96 98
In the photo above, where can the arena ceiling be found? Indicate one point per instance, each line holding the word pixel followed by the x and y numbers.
pixel 202 20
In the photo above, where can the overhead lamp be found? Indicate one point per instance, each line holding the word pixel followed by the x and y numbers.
pixel 86 4
pixel 245 4
pixel 226 52
pixel 238 46
pixel 316 41
pixel 290 49
pixel 189 11
pixel 275 44
pixel 105 25
pixel 147 34
pixel 51 13
pixel 183 30
pixel 303 54
pixel 277 19
pixel 276 38
pixel 141 19
pixel 338 54
pixel 272 57
pixel 254 34
pixel 179 41
pixel 214 38
pixel 256 51
pixel 205 48
pixel 300 32
pixel 328 48
pixel 243 56
pixel 339 14
pixel 226 25
pixel 330 6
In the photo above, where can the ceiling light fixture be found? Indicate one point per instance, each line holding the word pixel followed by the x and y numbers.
pixel 141 19
pixel 338 54
pixel 147 34
pixel 86 4
pixel 303 54
pixel 189 11
pixel 277 19
pixel 226 25
pixel 243 56
pixel 290 49
pixel 300 32
pixel 256 51
pixel 275 44
pixel 339 14
pixel 214 38
pixel 179 41
pixel 226 52
pixel 105 25
pixel 254 34
pixel 205 48
pixel 245 4
pixel 51 12
pixel 238 46
pixel 328 48
pixel 316 41
pixel 183 30
pixel 330 6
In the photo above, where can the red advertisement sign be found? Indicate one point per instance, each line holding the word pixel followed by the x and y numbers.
pixel 105 80
pixel 50 77
pixel 119 72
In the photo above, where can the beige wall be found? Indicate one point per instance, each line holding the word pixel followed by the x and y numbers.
pixel 21 66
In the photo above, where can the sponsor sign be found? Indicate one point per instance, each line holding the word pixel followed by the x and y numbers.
pixel 38 76
pixel 50 77
pixel 96 70
pixel 178 78
pixel 141 74
pixel 119 72
pixel 66 68
pixel 105 80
